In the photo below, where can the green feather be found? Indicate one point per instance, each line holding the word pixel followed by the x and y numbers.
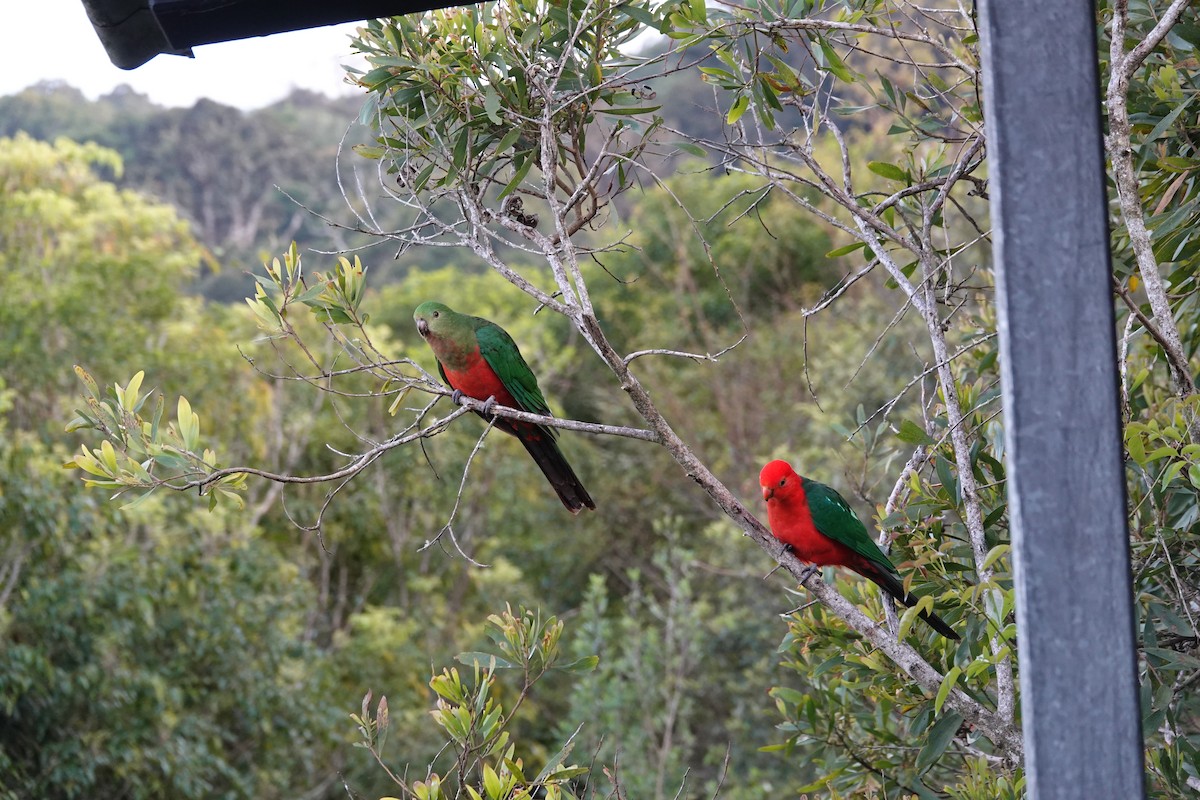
pixel 501 354
pixel 835 519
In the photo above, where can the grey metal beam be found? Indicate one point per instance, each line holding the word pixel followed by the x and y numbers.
pixel 1066 487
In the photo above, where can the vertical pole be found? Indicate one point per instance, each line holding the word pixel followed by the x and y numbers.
pixel 1066 488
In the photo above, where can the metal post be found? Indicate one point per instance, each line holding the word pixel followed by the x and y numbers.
pixel 1066 488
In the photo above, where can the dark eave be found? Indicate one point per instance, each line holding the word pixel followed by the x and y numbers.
pixel 135 31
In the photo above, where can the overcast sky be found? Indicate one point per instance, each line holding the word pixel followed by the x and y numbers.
pixel 53 40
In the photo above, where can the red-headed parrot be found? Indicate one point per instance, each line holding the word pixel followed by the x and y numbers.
pixel 479 359
pixel 816 523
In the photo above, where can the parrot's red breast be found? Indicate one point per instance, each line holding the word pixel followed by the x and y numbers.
pixel 480 381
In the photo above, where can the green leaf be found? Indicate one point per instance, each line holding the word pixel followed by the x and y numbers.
pixel 232 497
pixel 995 554
pixel 189 424
pixel 1194 475
pixel 1167 659
pixel 332 314
pixel 491 105
pixel 129 395
pixel 1171 473
pixel 137 501
pixel 847 250
pixel 912 433
pixel 889 171
pixel 693 149
pixel 459 157
pixel 1168 120
pixel 309 296
pixel 485 660
pixel 108 457
pixel 834 63
pixel 940 737
pixel 1164 451
pixel 585 664
pixel 907 619
pixel 369 151
pixel 555 762
pixel 508 141
pixel 945 689
pixel 995 515
pixel 638 14
pixel 423 177
pixel 491 783
pixel 1136 447
pixel 626 111
pixel 737 109
pixel 942 467
pixel 723 76
pixel 88 381
pixel 788 695
pixel 521 172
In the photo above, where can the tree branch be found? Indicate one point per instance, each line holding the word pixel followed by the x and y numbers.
pixel 363 460
pixel 997 728
pixel 1177 363
pixel 1120 152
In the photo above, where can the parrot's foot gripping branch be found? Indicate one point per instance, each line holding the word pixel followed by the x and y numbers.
pixel 456 397
pixel 808 573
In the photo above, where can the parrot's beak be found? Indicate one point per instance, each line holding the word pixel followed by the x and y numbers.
pixel 768 492
pixel 422 328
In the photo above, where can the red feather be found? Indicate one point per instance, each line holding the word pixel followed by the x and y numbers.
pixel 480 381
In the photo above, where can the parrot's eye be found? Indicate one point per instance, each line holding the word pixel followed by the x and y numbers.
pixel 435 314
pixel 783 481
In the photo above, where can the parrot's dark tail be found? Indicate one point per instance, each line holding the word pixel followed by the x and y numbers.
pixel 554 466
pixel 892 586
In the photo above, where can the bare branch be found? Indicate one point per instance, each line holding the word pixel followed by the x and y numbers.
pixel 710 357
pixel 1177 362
pixel 448 528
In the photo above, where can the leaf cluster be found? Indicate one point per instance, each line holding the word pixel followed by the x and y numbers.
pixel 142 453
pixel 458 94
pixel 472 716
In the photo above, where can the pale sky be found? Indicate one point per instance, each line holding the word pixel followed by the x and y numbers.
pixel 54 40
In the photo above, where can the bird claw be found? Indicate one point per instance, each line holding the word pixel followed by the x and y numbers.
pixel 456 397
pixel 808 573
pixel 489 404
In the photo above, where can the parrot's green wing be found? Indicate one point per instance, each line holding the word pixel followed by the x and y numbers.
pixel 501 354
pixel 834 518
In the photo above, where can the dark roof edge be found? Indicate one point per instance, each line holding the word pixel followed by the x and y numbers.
pixel 129 32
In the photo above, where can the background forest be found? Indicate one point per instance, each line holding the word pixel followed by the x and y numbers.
pixel 157 644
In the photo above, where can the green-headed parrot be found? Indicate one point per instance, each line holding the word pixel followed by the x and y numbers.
pixel 479 359
pixel 820 528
